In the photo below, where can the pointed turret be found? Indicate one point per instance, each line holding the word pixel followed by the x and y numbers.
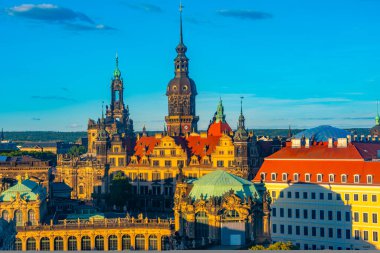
pixel 116 72
pixel 376 129
pixel 290 134
pixel 219 116
pixel 241 133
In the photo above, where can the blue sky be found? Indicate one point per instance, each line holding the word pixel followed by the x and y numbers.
pixel 299 63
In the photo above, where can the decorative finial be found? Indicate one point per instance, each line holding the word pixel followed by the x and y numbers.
pixel 19 180
pixel 26 176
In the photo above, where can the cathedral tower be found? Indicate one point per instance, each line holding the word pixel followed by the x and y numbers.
pixel 181 92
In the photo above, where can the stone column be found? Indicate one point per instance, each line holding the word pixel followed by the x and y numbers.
pixel 146 236
pixel 177 221
pixel 38 242
pixel 51 240
pixel 159 238
pixel 92 241
pixel 65 243
pixel 79 243
pixel 133 245
pixel 23 240
pixel 106 246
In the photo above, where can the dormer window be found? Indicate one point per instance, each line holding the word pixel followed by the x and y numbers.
pixel 284 177
pixel 295 177
pixel 356 179
pixel 319 178
pixel 262 176
pixel 369 179
pixel 307 177
pixel 344 178
pixel 331 178
pixel 273 176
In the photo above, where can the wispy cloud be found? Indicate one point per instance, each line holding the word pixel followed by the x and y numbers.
pixel 62 98
pixel 54 14
pixel 145 7
pixel 75 126
pixel 36 119
pixel 245 14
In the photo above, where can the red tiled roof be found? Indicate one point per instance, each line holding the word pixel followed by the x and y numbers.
pixel 148 142
pixel 218 128
pixel 317 151
pixel 320 159
pixel 196 144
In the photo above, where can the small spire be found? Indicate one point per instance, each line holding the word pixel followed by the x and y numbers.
pixel 102 110
pixel 241 105
pixel 2 134
pixel 117 72
pixel 180 22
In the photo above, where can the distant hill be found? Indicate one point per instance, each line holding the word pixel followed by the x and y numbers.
pixel 47 136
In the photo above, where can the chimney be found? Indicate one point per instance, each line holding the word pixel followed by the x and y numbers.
pixel 349 138
pixel 331 142
pixel 342 142
pixel 307 143
pixel 296 143
pixel 355 137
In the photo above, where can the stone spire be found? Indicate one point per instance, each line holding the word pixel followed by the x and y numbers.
pixel 290 134
pixel 241 133
pixel 181 61
pixel 241 123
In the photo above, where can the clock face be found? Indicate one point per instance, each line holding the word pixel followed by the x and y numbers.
pixel 186 127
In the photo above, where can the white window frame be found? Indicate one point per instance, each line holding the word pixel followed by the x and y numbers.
pixel 369 179
pixel 307 175
pixel 333 178
pixel 273 176
pixel 319 180
pixel 345 178
pixel 295 177
pixel 356 176
pixel 284 177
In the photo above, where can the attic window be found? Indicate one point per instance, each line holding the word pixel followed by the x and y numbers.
pixel 273 176
pixel 356 179
pixel 319 178
pixel 262 176
pixel 331 178
pixel 369 179
pixel 344 178
pixel 284 177
pixel 307 177
pixel 295 177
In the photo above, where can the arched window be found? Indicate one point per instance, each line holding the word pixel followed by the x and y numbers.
pixel 295 177
pixel 86 243
pixel 344 178
pixel 126 242
pixel 201 225
pixel 31 244
pixel 72 243
pixel 31 217
pixel 152 242
pixel 18 218
pixel 58 243
pixel 99 242
pixel 18 244
pixel 81 189
pixel 140 242
pixel 45 244
pixel 112 242
pixel 5 215
pixel 165 243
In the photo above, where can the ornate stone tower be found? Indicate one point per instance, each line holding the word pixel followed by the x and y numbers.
pixel 181 92
pixel 242 146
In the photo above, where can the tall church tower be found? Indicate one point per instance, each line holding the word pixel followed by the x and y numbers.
pixel 181 92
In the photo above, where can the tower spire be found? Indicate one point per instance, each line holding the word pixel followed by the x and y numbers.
pixel 117 73
pixel 241 105
pixel 180 22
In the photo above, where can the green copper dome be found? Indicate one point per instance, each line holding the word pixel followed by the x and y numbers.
pixel 377 120
pixel 219 182
pixel 116 72
pixel 27 189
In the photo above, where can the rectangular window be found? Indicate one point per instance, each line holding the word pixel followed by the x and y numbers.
pixel 313 231
pixel 322 232
pixel 356 197
pixel 290 229
pixel 347 196
pixel 348 216
pixel 339 233
pixel 305 213
pixel 330 215
pixel 304 195
pixel 284 177
pixel 338 197
pixel 321 195
pixel 289 195
pixel 272 176
pixel 369 179
pixel 295 177
pixel 365 235
pixel 274 194
pixel 221 164
pixel 281 194
pixel 305 230
pixel 356 216
pixel 297 213
pixel 297 195
pixel 282 229
pixel 274 228
pixel 329 196
pixel 168 176
pixel 365 217
pixel 121 162
pixel 357 234
pixel 356 179
pixel 274 212
pixel 374 198
pixel 307 178
pixel 156 163
pixel 281 212
pixel 348 234
pixel 313 195
pixel 156 176
pixel 298 230
pixel 321 214
pixel 374 218
pixel 319 178
pixel 168 163
pixel 331 233
pixel 338 215
pixel 313 214
pixel 289 213
pixel 375 236
pixel 365 197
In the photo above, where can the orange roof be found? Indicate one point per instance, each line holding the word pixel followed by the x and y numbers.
pixel 218 128
pixel 196 144
pixel 320 159
pixel 146 142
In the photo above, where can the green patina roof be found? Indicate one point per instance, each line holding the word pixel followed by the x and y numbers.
pixel 219 182
pixel 27 189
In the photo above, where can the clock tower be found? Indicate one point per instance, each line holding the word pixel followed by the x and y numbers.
pixel 181 92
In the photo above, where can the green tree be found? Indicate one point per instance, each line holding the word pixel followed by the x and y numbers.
pixel 44 156
pixel 77 150
pixel 276 246
pixel 120 191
